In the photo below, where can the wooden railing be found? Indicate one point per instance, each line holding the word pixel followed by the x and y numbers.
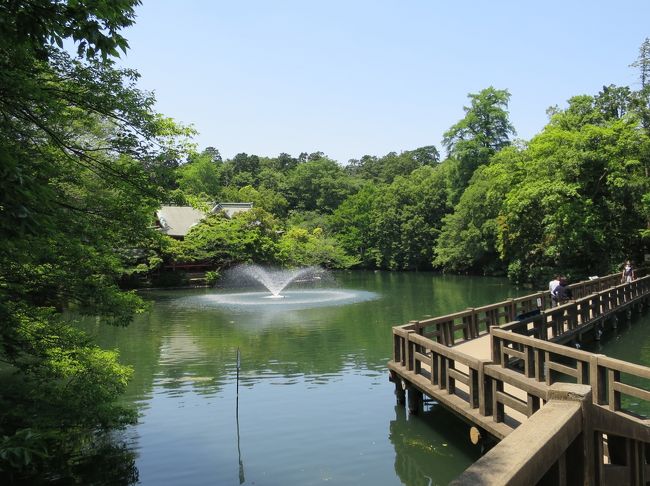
pixel 486 388
pixel 550 363
pixel 553 323
pixel 591 298
pixel 475 322
pixel 522 349
pixel 467 383
pixel 500 394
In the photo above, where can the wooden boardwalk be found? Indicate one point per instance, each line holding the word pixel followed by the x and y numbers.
pixel 500 365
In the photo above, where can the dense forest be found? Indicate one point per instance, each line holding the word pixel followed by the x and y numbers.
pixel 86 161
pixel 573 199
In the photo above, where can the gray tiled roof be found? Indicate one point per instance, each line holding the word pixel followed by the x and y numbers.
pixel 232 208
pixel 177 220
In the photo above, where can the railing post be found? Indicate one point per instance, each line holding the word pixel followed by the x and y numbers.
pixel 416 324
pixel 540 361
pixel 572 316
pixel 397 348
pixel 614 397
pixel 451 382
pixel 580 454
pixel 539 326
pixel 529 363
pixel 532 404
pixel 496 346
pixel 474 388
pixel 498 412
pixel 468 326
pixel 512 310
pixel 442 372
pixel 408 351
pixel 448 338
pixel 444 333
pixel 485 389
pixel 435 368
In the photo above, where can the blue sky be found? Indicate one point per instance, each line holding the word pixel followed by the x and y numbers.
pixel 358 77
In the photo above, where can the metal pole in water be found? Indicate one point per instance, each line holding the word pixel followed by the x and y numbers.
pixel 242 478
pixel 238 366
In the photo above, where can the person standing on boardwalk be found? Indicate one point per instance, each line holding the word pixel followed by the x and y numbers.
pixel 562 292
pixel 628 273
pixel 552 285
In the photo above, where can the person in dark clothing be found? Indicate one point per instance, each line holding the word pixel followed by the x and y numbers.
pixel 562 293
pixel 628 273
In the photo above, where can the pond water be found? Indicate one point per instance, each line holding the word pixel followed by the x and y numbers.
pixel 314 404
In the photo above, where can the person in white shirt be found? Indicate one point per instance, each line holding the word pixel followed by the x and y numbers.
pixel 552 286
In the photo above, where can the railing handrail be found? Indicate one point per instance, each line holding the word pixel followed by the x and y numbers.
pixel 634 369
pixel 446 317
pixel 475 321
pixel 447 352
pixel 541 344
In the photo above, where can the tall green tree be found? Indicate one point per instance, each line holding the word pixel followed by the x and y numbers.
pixel 642 63
pixel 641 101
pixel 352 223
pixel 201 176
pixel 394 226
pixel 579 206
pixel 468 238
pixel 484 130
pixel 77 140
pixel 248 237
pixel 319 185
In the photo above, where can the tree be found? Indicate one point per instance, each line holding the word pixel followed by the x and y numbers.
pixel 391 165
pixel 351 222
pixel 643 63
pixel 267 199
pixel 213 153
pixel 317 185
pixel 285 162
pixel 76 141
pixel 300 247
pixel 248 237
pixel 579 207
pixel 483 131
pixel 614 102
pixel 427 155
pixel 201 176
pixel 32 27
pixel 407 218
pixel 468 239
pixel 246 163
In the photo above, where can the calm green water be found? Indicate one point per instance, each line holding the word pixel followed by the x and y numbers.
pixel 315 405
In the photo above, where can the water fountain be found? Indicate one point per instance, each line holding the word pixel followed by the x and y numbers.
pixel 275 280
pixel 284 289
